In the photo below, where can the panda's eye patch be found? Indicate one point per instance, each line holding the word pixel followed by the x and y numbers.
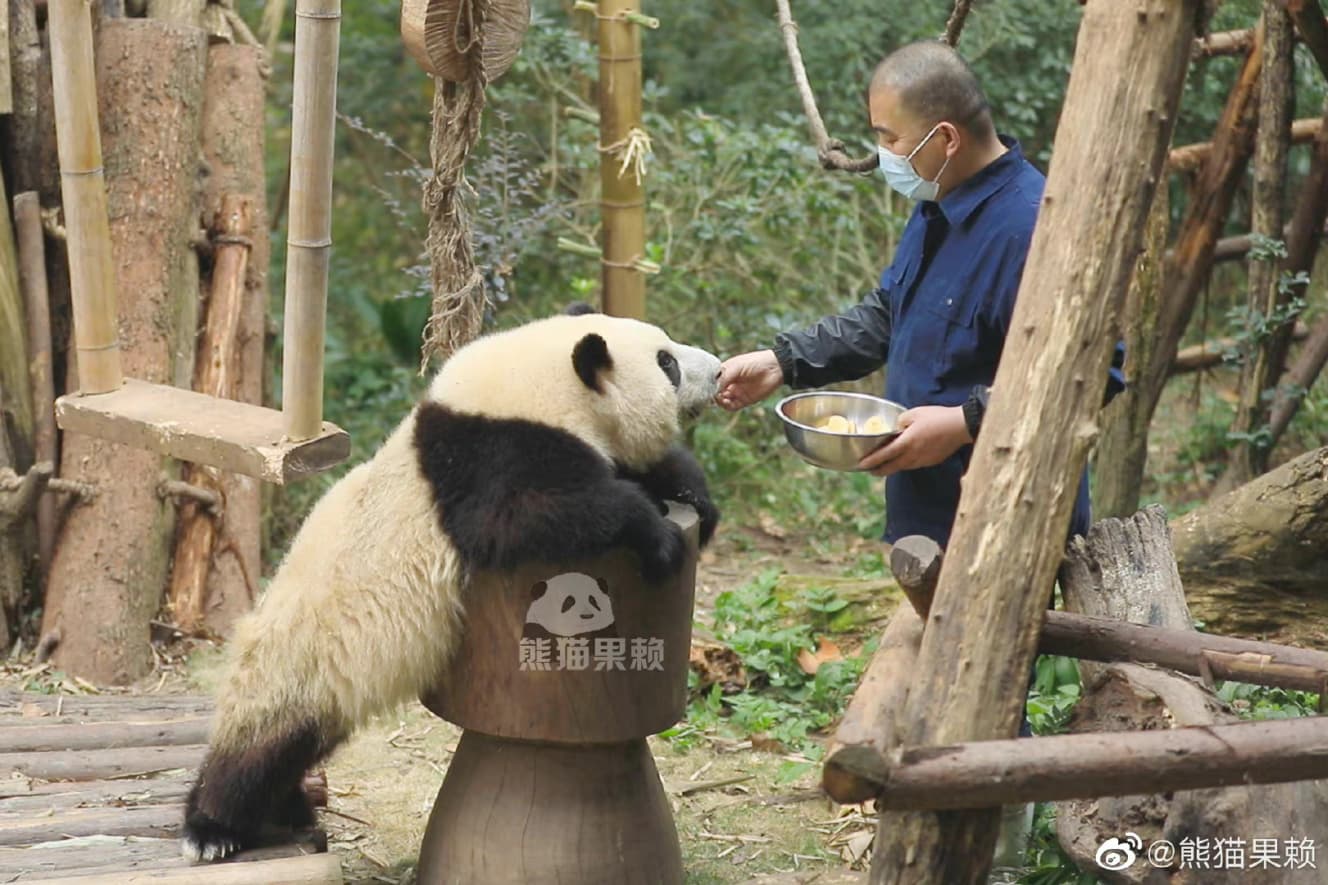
pixel 669 364
pixel 567 604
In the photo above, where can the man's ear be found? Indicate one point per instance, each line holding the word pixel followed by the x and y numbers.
pixel 590 357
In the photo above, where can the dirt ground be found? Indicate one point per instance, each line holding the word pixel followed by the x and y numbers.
pixel 738 812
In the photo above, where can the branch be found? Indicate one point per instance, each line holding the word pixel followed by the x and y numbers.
pixel 830 151
pixel 955 23
pixel 1312 27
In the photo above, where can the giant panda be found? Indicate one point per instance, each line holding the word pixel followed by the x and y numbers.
pixel 553 440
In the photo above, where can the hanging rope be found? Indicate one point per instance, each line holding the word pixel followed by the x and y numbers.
pixel 458 286
pixel 831 151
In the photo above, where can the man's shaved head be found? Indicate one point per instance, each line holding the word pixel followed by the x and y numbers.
pixel 934 83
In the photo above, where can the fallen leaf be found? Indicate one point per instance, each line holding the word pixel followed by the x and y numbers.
pixel 811 661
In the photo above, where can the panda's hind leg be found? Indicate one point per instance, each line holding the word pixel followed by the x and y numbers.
pixel 240 790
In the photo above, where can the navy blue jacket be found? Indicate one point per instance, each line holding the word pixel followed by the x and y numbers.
pixel 937 322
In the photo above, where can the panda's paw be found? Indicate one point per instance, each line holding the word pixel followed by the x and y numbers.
pixel 664 558
pixel 205 840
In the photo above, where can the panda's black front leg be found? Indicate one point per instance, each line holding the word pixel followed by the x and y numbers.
pixel 678 477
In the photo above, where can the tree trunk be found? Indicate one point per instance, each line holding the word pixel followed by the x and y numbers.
pixel 1249 457
pixel 1270 531
pixel 111 560
pixel 24 138
pixel 983 629
pixel 1122 452
pixel 1125 570
pixel 15 390
pixel 1189 263
pixel 233 125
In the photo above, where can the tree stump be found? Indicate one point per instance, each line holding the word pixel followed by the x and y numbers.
pixel 562 672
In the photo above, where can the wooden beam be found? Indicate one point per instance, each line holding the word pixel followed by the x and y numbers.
pixel 1208 354
pixel 982 774
pixel 233 436
pixel 982 632
pixel 93 764
pixel 104 735
pixel 1191 157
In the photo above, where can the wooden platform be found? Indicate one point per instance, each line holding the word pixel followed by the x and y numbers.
pixel 233 436
pixel 93 791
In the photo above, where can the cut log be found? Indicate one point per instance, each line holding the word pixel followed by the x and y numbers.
pixel 982 633
pixel 122 855
pixel 1270 531
pixel 234 123
pixel 1224 43
pixel 110 565
pixel 218 362
pixel 1124 570
pixel 92 764
pixel 104 735
pixel 1191 158
pixel 1209 354
pixel 156 821
pixel 854 761
pixel 310 869
pixel 71 708
pixel 1073 766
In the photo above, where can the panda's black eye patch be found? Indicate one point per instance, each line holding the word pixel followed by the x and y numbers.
pixel 670 366
pixel 567 604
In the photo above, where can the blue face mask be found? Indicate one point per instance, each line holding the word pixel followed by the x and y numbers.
pixel 900 174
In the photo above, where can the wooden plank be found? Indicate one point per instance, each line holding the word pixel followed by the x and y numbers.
pixel 234 436
pixel 93 855
pixel 93 764
pixel 104 735
pixel 310 869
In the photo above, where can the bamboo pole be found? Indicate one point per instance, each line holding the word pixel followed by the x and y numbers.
pixel 88 233
pixel 309 237
pixel 622 204
pixel 36 304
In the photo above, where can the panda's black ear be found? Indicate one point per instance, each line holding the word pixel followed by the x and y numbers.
pixel 578 308
pixel 538 589
pixel 603 585
pixel 590 357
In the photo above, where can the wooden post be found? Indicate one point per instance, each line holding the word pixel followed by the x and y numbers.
pixel 36 303
pixel 15 390
pixel 1263 366
pixel 1122 451
pixel 622 202
pixel 1009 534
pixel 88 233
pixel 112 556
pixel 309 236
pixel 218 365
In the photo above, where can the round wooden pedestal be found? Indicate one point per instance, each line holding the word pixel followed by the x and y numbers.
pixel 518 813
pixel 562 672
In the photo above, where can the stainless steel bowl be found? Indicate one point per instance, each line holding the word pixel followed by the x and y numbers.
pixel 824 448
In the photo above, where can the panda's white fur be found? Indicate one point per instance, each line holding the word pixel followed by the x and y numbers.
pixel 365 610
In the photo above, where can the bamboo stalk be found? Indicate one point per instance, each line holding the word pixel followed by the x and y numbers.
pixel 91 273
pixel 36 303
pixel 309 238
pixel 622 206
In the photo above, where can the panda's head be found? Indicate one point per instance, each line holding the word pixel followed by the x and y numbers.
pixel 620 385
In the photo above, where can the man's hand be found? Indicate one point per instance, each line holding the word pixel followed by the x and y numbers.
pixel 930 434
pixel 748 378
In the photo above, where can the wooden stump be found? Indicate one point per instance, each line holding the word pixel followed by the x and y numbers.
pixel 111 559
pixel 553 780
